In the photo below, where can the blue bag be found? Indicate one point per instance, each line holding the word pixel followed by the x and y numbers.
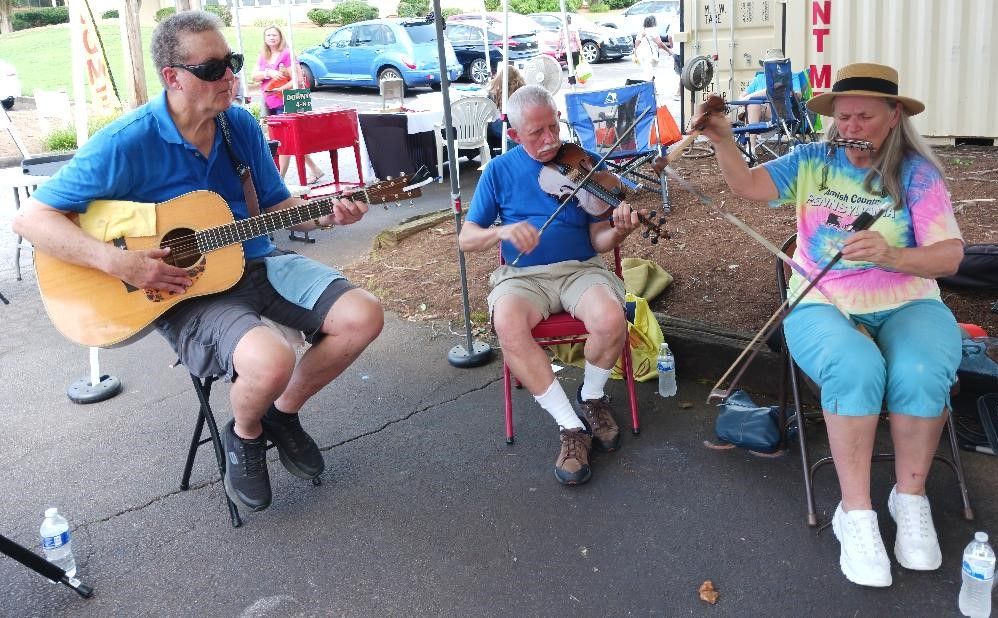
pixel 742 423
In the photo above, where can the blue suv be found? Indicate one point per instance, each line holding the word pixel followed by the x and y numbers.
pixel 366 52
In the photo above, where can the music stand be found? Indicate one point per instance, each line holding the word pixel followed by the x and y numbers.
pixel 43 567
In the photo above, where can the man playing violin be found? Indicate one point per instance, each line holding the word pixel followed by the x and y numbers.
pixel 174 145
pixel 559 271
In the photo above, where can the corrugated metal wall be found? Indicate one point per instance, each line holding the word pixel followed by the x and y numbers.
pixel 944 50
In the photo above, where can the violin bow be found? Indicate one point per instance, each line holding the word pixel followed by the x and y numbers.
pixel 717 395
pixel 585 179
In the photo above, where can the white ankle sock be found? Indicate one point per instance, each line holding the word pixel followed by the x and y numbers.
pixel 592 386
pixel 557 405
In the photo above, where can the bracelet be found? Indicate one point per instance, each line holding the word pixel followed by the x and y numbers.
pixel 320 226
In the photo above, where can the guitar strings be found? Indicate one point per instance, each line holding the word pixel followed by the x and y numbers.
pixel 183 247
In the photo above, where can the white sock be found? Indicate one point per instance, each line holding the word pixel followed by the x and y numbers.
pixel 596 377
pixel 557 405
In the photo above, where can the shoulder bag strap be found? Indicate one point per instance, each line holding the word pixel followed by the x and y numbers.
pixel 242 170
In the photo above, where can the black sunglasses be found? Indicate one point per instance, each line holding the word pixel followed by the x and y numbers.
pixel 213 70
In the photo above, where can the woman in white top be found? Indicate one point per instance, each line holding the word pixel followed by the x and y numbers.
pixel 648 49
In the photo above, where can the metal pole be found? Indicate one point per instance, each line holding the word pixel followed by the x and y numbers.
pixel 291 50
pixel 239 45
pixel 568 46
pixel 475 353
pixel 731 51
pixel 505 81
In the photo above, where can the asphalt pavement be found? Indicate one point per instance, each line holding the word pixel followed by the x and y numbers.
pixel 424 509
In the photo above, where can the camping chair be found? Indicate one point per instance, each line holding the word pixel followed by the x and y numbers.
pixel 206 417
pixel 783 129
pixel 470 117
pixel 597 118
pixel 561 328
pixel 790 381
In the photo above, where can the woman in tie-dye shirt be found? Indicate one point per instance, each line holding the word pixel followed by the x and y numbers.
pixel 881 336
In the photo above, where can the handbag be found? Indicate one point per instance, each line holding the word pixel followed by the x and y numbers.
pixel 742 423
pixel 644 336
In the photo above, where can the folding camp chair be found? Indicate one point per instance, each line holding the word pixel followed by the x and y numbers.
pixel 598 118
pixel 790 384
pixel 783 131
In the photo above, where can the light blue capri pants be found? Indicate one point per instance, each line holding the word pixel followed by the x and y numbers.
pixel 910 363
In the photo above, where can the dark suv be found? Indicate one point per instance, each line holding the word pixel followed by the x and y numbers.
pixel 468 40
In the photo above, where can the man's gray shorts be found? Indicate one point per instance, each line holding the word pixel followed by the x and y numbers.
pixel 204 331
pixel 553 288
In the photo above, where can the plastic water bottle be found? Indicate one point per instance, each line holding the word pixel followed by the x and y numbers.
pixel 978 577
pixel 56 542
pixel 666 371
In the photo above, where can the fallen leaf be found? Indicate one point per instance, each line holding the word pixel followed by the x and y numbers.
pixel 708 593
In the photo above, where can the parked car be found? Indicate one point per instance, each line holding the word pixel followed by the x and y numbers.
pixel 599 43
pixel 10 85
pixel 632 20
pixel 366 52
pixel 548 42
pixel 468 37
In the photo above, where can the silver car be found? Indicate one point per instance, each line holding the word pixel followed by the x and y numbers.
pixel 631 21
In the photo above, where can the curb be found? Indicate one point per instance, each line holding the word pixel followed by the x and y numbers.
pixel 706 351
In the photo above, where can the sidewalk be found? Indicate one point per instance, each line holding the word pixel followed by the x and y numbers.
pixel 424 509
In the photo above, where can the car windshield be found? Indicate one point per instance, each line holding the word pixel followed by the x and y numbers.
pixel 421 33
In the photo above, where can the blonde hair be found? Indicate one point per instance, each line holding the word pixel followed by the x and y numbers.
pixel 516 82
pixel 901 141
pixel 266 48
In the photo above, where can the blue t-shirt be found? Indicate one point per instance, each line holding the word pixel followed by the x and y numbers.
pixel 142 157
pixel 514 187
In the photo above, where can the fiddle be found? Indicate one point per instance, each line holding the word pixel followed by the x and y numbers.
pixel 573 162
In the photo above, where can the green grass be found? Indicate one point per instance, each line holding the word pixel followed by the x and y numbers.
pixel 43 61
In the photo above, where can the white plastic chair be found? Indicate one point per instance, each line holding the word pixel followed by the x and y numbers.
pixel 471 117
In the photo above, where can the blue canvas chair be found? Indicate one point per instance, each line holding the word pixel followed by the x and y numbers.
pixel 788 124
pixel 596 119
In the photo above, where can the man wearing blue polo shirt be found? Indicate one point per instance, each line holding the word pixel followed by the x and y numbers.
pixel 560 271
pixel 171 146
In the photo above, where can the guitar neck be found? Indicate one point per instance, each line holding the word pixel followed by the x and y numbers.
pixel 238 231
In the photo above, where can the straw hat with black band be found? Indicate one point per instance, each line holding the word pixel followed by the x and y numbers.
pixel 864 79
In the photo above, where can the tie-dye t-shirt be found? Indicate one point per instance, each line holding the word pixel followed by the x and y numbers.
pixel 827 206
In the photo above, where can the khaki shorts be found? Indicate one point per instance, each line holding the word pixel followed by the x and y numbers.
pixel 554 288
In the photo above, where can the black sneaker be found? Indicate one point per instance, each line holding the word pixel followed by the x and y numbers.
pixel 246 478
pixel 299 452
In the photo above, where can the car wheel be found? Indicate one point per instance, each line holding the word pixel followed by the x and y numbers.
pixel 307 77
pixel 8 103
pixel 436 86
pixel 590 52
pixel 478 71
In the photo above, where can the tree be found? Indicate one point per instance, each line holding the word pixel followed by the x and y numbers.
pixel 6 8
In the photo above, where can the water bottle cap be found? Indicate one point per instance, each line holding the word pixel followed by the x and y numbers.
pixel 981 537
pixel 51 512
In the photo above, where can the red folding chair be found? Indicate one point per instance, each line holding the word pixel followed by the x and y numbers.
pixel 561 328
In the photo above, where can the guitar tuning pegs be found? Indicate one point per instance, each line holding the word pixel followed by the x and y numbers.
pixel 652 213
pixel 654 240
pixel 644 234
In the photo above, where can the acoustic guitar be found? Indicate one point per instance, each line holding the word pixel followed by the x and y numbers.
pixel 95 309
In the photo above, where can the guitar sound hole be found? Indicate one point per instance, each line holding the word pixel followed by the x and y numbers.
pixel 183 248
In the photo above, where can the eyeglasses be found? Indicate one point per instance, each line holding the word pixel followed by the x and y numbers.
pixel 213 70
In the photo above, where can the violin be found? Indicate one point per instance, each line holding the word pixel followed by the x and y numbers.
pixel 575 164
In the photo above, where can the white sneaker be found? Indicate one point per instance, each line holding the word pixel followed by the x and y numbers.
pixel 863 558
pixel 917 547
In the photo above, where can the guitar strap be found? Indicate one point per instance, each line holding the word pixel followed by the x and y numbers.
pixel 242 170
